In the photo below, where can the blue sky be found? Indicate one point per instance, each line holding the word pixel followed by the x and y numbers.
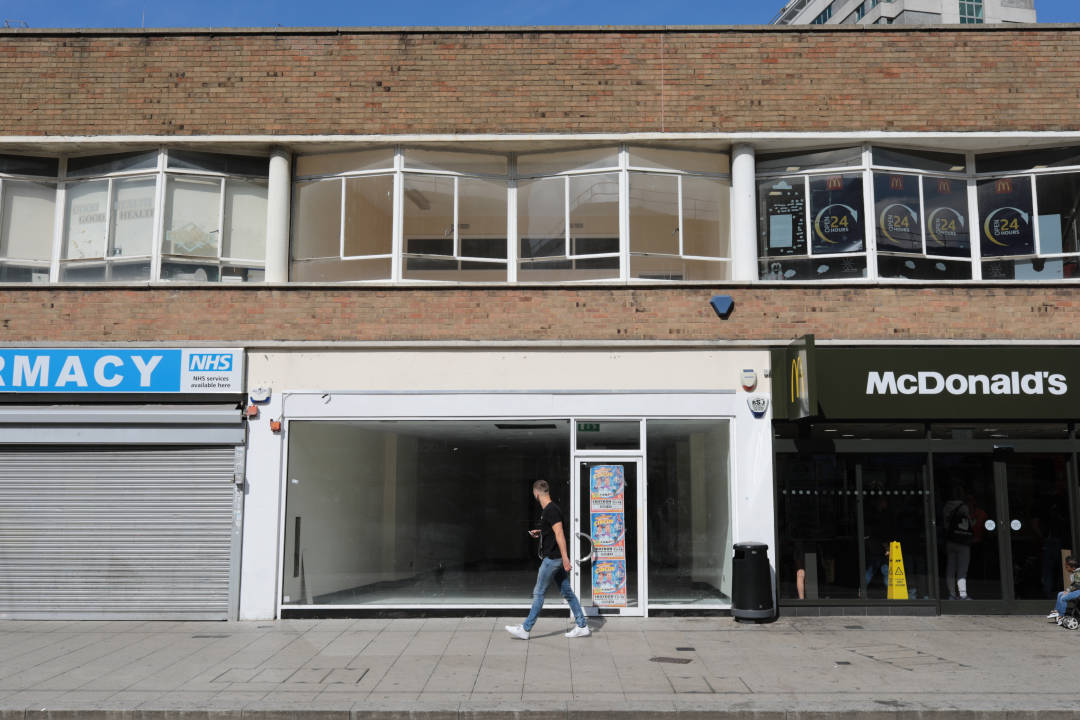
pixel 308 13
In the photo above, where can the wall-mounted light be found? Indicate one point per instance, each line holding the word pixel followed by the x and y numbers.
pixel 723 305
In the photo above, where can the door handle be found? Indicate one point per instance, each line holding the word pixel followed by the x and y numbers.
pixel 589 557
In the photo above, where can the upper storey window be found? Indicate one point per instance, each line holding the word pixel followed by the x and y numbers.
pixel 133 217
pixel 417 214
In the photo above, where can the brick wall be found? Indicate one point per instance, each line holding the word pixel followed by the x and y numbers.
pixel 534 81
pixel 251 315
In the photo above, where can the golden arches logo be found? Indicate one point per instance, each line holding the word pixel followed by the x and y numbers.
pixel 944 187
pixel 1003 186
pixel 798 374
pixel 836 182
pixel 896 182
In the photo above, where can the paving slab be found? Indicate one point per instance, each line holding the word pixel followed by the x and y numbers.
pixel 821 668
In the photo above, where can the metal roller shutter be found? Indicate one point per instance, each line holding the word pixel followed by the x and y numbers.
pixel 121 533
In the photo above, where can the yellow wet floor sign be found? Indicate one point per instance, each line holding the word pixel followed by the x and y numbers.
pixel 897 589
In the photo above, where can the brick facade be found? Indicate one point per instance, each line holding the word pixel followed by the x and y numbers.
pixel 539 81
pixel 252 315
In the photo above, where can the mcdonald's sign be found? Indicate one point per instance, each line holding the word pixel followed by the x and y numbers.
pixel 1004 186
pixel 944 187
pixel 835 182
pixel 896 182
pixel 793 380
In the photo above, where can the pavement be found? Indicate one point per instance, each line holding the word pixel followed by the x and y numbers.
pixel 961 668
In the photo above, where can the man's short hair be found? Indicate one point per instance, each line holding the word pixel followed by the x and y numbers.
pixel 542 486
pixel 1071 561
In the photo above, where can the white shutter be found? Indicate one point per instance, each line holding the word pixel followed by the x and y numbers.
pixel 121 533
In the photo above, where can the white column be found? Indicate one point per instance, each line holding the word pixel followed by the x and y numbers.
pixel 743 214
pixel 277 216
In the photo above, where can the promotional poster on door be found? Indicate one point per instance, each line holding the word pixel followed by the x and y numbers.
pixel 608 524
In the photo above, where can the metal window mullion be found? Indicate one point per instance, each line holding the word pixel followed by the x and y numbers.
pixel 1035 217
pixel 59 215
pixel 869 216
pixel 397 243
pixel 566 217
pixel 624 213
pixel 679 212
pixel 157 242
pixel 808 218
pixel 512 241
pixel 457 203
pixel 341 222
pixel 922 213
pixel 221 225
pixel 974 238
pixel 110 200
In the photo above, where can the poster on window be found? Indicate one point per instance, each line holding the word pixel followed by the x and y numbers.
pixel 783 217
pixel 897 203
pixel 609 583
pixel 606 484
pixel 1005 210
pixel 946 217
pixel 836 203
pixel 607 525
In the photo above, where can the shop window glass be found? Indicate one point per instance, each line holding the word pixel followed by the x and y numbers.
pixel 461 162
pixel 105 164
pixel 568 160
pixel 317 220
pixel 245 220
pixel 836 214
pixel 706 217
pixel 340 162
pixel 700 161
pixel 946 213
pixel 833 268
pixel 654 214
pixel 899 220
pixel 919 159
pixel 26 230
pixel 795 162
pixel 369 215
pixel 1005 217
pixel 86 218
pixel 440 511
pixel 593 220
pixel 1028 160
pixel 819 539
pixel 214 162
pixel 192 217
pixel 26 165
pixel 895 501
pixel 336 270
pixel 1059 213
pixel 689 512
pixel 608 435
pixel 782 216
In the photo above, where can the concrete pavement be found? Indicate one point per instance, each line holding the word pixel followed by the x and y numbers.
pixel 865 667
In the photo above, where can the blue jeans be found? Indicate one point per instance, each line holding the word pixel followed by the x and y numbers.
pixel 551 571
pixel 1063 600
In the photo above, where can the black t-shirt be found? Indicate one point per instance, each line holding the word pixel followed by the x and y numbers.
pixel 549 516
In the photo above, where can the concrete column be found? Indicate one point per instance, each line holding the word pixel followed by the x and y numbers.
pixel 743 214
pixel 277 216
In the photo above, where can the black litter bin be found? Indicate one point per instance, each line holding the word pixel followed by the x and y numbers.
pixel 751 583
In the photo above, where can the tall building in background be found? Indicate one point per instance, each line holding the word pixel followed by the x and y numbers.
pixel 905 12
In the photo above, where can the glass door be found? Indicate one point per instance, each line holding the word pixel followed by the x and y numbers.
pixel 1004 528
pixel 608 528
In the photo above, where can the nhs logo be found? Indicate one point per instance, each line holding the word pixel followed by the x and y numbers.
pixel 219 362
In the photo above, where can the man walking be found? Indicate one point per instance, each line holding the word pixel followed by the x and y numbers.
pixel 554 566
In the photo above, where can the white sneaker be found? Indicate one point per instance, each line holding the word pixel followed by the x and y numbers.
pixel 1057 620
pixel 1052 616
pixel 579 632
pixel 518 631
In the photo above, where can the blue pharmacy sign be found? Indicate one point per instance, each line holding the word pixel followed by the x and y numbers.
pixel 121 370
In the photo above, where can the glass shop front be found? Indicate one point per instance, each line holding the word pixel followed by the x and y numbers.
pixel 956 466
